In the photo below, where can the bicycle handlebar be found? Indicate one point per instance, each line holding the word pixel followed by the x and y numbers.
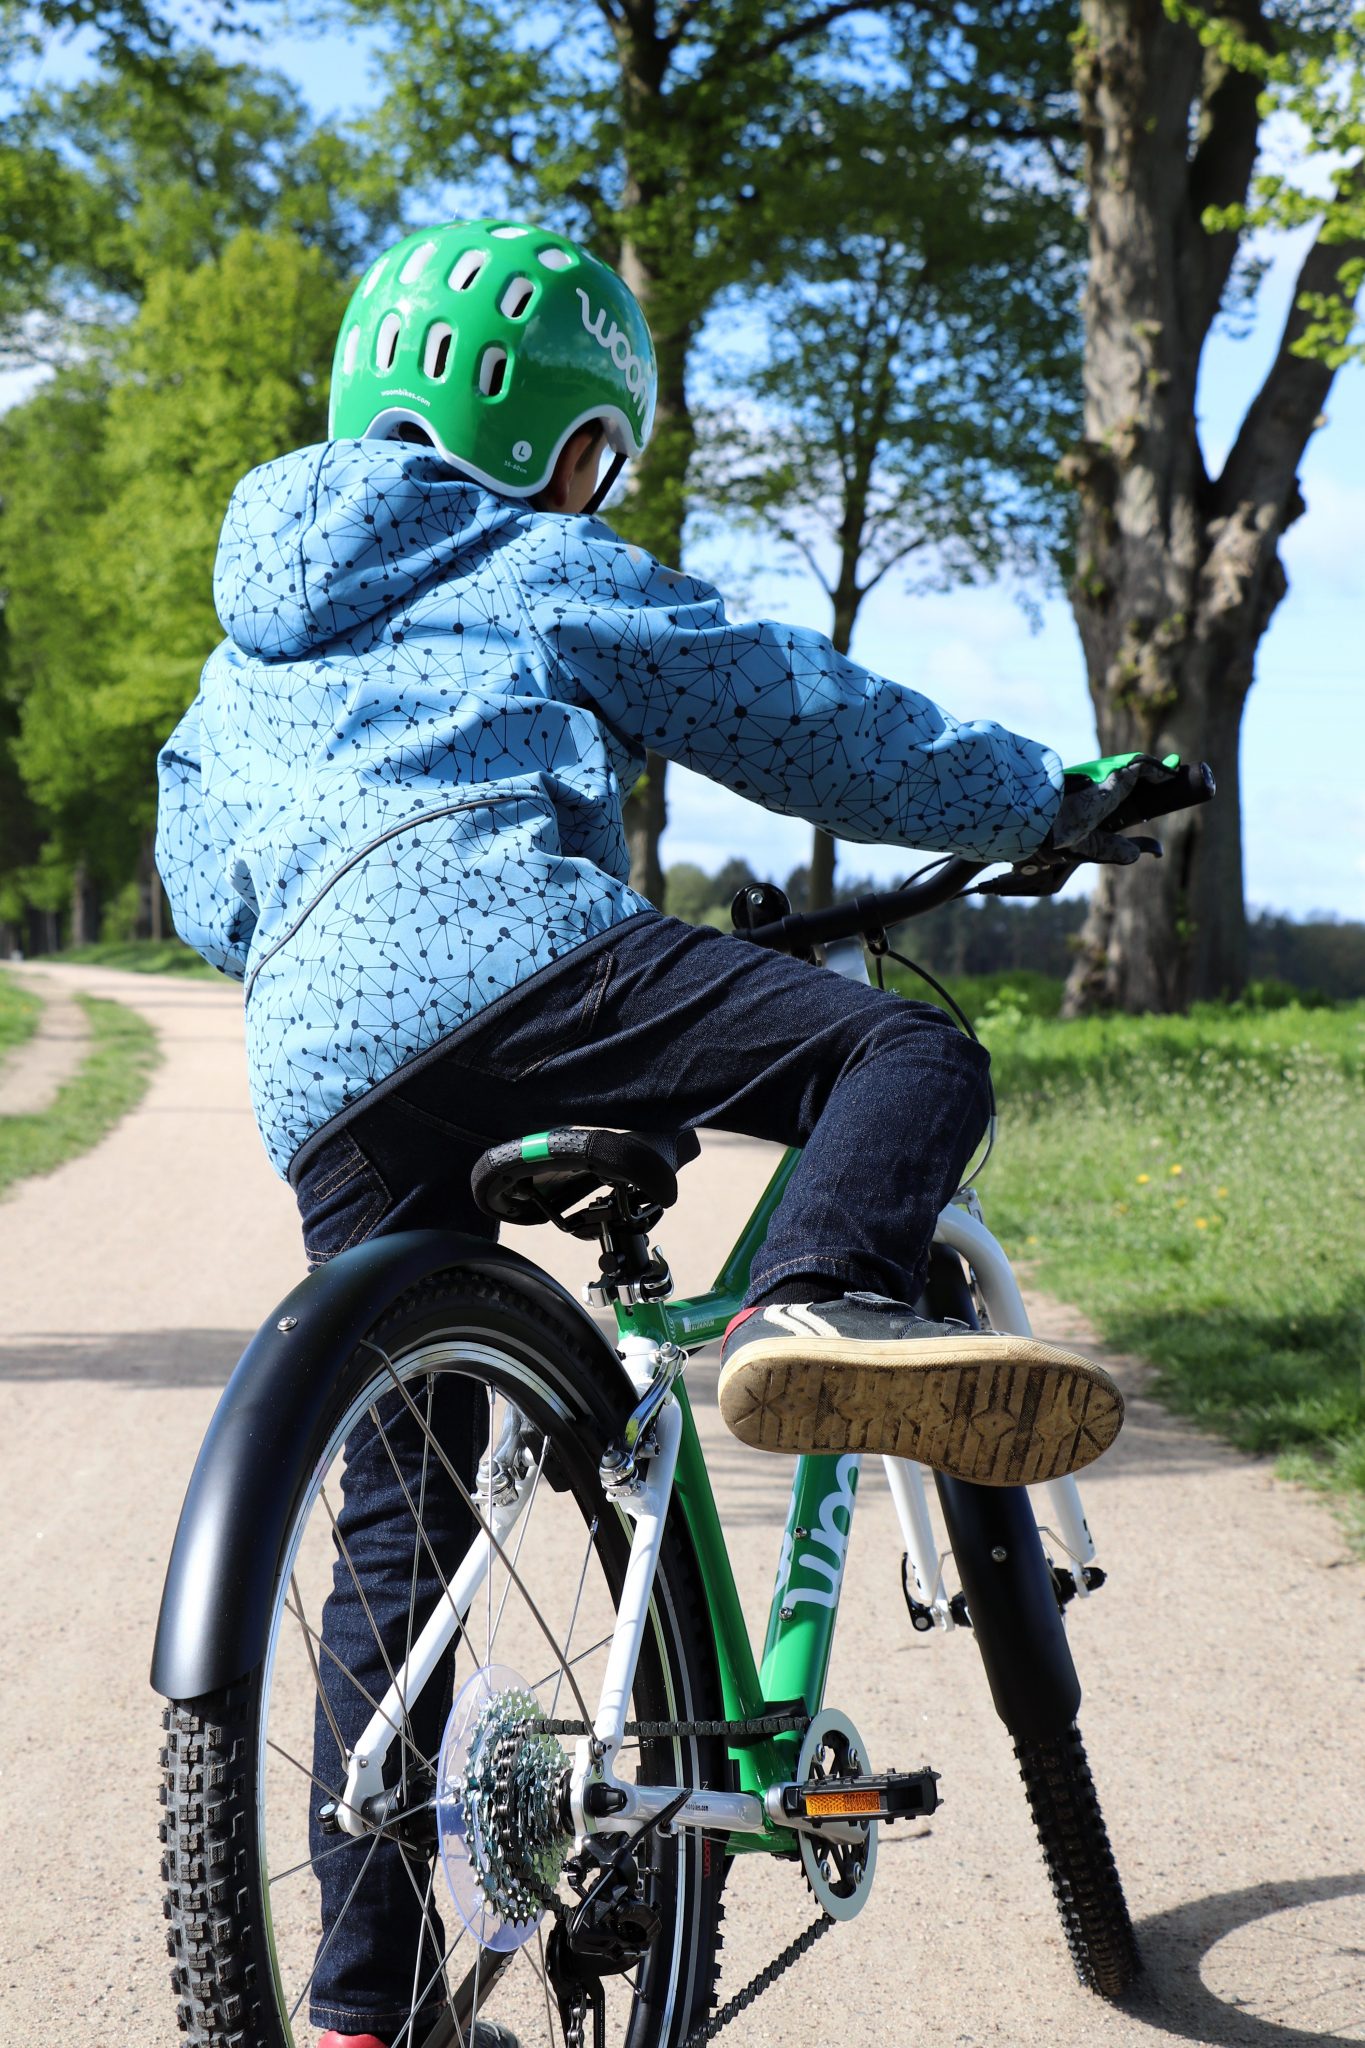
pixel 1179 789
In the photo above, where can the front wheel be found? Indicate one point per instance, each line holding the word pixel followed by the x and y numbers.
pixel 281 1924
pixel 1080 1862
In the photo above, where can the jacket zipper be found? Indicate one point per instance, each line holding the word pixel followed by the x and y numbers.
pixel 394 832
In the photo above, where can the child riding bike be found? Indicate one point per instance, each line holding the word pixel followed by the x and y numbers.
pixel 394 811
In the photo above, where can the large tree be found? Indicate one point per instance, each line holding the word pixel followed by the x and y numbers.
pixel 667 133
pixel 1179 568
pixel 918 379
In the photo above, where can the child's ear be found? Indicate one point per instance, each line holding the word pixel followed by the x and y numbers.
pixel 556 494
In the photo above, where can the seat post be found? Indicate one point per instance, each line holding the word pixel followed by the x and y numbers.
pixel 630 1269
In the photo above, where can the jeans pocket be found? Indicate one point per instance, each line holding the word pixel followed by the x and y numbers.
pixel 342 1198
pixel 540 1024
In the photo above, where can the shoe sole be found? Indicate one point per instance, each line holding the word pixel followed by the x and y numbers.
pixel 998 1410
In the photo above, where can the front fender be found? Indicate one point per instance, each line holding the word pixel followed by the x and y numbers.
pixel 267 1429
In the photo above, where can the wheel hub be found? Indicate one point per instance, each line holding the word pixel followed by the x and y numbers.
pixel 500 1809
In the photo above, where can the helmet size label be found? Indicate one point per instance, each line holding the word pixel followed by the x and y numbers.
pixel 521 451
pixel 618 348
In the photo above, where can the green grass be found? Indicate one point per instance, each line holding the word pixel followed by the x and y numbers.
pixel 109 1083
pixel 1194 1184
pixel 141 956
pixel 19 1013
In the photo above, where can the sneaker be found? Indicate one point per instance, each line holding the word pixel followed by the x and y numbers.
pixel 866 1374
pixel 486 2034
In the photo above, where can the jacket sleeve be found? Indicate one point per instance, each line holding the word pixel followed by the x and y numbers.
pixel 773 712
pixel 209 913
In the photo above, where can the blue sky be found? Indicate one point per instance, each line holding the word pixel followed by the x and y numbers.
pixel 973 651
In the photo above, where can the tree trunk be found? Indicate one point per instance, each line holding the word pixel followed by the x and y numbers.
pixel 1178 574
pixel 845 598
pixel 653 516
pixel 84 908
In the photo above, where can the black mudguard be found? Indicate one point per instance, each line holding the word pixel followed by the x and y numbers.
pixel 269 1429
pixel 1005 1575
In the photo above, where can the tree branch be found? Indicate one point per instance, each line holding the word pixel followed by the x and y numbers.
pixel 738 58
pixel 1220 170
pixel 1261 470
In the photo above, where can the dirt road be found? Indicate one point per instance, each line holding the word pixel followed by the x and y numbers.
pixel 1224 1663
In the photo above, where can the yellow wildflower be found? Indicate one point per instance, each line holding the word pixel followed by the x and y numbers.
pixel 1177 1169
pixel 1180 1201
pixel 1143 1179
pixel 1201 1222
pixel 1221 1193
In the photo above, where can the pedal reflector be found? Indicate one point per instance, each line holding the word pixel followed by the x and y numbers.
pixel 835 1805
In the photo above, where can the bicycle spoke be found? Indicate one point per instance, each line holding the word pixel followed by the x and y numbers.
pixel 484 1524
pixel 313 1663
pixel 359 1685
pixel 340 1541
pixel 573 1618
pixel 412 1581
pixel 335 1928
pixel 523 1524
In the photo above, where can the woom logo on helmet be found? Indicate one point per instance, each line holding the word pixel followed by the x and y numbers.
pixel 618 348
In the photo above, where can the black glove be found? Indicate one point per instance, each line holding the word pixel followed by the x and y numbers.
pixel 1077 827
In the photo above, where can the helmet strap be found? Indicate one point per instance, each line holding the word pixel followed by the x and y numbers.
pixel 618 463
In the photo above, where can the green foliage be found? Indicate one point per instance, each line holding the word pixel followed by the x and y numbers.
pixel 115 477
pixel 920 371
pixel 139 171
pixel 112 1080
pixel 1313 70
pixel 1193 1184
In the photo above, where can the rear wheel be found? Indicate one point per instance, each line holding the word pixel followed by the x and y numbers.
pixel 281 1925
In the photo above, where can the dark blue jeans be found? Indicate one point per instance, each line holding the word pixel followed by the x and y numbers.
pixel 661 1026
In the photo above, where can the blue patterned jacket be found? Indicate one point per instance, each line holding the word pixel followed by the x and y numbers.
pixel 398 793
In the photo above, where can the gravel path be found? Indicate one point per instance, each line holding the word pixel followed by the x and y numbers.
pixel 1224 1663
pixel 33 1072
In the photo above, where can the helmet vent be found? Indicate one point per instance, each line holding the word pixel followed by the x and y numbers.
pixel 492 370
pixel 350 351
pixel 467 268
pixel 555 259
pixel 516 298
pixel 372 280
pixel 417 262
pixel 386 342
pixel 436 354
pixel 508 233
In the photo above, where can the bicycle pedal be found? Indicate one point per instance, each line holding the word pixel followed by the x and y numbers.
pixel 885 1795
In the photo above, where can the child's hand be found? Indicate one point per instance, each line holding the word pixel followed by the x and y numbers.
pixel 1087 801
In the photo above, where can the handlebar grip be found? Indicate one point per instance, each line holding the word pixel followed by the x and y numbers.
pixel 1190 784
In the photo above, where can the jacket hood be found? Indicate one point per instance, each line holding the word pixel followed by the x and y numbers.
pixel 317 543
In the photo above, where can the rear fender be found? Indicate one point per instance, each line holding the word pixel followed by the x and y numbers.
pixel 270 1428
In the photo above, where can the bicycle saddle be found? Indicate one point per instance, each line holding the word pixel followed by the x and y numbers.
pixel 537 1179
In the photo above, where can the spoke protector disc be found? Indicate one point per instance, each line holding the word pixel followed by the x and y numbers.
pixel 498 1809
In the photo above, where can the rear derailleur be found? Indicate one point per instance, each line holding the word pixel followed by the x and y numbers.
pixel 610 1930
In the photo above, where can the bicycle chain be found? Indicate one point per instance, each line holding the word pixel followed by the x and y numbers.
pixel 756 1986
pixel 752 1729
pixel 659 1731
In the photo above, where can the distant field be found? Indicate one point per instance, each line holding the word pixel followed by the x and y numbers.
pixel 1194 1185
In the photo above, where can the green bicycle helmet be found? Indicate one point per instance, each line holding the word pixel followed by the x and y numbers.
pixel 497 340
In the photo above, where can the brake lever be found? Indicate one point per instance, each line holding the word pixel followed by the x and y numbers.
pixel 1036 877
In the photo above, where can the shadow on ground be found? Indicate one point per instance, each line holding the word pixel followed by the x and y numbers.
pixel 142 1358
pixel 1177 2002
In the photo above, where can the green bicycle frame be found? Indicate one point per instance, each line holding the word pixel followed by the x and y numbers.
pixel 805 1602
